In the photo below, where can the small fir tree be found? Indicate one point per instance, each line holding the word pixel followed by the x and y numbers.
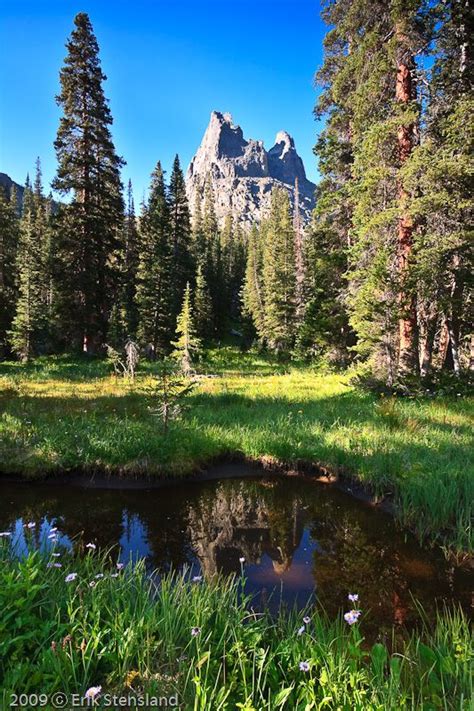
pixel 187 343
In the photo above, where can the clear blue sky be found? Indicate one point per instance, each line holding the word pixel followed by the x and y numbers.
pixel 169 63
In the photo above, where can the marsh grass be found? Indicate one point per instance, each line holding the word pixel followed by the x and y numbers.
pixel 60 414
pixel 131 634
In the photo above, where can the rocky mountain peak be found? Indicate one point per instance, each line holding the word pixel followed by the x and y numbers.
pixel 243 173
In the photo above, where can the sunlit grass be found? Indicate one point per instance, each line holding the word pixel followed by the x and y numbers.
pixel 60 414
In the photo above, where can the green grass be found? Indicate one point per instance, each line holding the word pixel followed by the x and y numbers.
pixel 129 635
pixel 59 414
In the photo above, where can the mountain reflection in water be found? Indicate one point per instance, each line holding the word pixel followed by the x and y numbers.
pixel 300 540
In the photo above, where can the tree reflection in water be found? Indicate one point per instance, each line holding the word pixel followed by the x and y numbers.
pixel 300 540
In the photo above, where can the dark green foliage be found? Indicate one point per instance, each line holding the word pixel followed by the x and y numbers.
pixel 30 326
pixel 278 275
pixel 252 291
pixel 202 306
pixel 180 232
pixel 155 271
pixel 9 237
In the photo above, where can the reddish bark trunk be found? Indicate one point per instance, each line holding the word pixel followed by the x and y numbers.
pixel 408 357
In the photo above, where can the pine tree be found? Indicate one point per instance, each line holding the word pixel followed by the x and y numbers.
pixel 370 96
pixel 89 168
pixel 155 270
pixel 9 237
pixel 279 279
pixel 212 260
pixel 29 326
pixel 438 177
pixel 252 290
pixel 124 316
pixel 180 226
pixel 187 343
pixel 202 306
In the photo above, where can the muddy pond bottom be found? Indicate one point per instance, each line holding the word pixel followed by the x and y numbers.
pixel 302 541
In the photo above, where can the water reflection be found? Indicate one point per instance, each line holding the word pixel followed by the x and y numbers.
pixel 299 539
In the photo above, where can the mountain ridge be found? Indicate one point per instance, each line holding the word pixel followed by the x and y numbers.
pixel 243 174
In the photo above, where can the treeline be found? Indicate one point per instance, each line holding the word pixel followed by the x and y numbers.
pixel 87 272
pixel 383 273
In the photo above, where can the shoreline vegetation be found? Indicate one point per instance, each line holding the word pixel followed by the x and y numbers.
pixel 76 621
pixel 63 415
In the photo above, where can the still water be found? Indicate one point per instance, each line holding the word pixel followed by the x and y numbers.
pixel 302 541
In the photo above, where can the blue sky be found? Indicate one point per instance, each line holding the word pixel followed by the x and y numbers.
pixel 169 63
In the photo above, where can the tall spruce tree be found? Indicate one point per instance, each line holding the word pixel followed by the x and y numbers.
pixel 28 334
pixel 123 322
pixel 155 270
pixel 180 228
pixel 9 238
pixel 279 279
pixel 202 306
pixel 439 180
pixel 252 290
pixel 89 169
pixel 370 93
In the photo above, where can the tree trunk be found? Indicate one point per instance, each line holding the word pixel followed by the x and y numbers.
pixel 408 357
pixel 427 344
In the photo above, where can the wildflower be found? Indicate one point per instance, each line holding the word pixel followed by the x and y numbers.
pixel 69 578
pixel 304 666
pixel 197 578
pixel 352 616
pixel 53 536
pixel 92 584
pixel 32 524
pixel 5 533
pixel 242 560
pixel 353 597
pixel 306 620
pixel 54 565
pixel 120 566
pixel 92 546
pixel 114 575
pixel 99 576
pixel 56 555
pixel 93 692
pixel 301 630
pixel 195 631
pixel 53 530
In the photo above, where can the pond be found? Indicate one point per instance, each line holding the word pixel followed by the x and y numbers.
pixel 302 540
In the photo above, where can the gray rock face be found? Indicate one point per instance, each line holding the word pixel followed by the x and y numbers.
pixel 243 173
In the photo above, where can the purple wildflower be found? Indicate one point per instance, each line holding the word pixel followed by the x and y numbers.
pixel 353 597
pixel 69 578
pixel 304 666
pixel 195 631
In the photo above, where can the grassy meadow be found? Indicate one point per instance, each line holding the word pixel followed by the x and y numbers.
pixel 83 623
pixel 60 414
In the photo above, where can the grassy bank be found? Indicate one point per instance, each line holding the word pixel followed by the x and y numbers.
pixel 118 630
pixel 58 414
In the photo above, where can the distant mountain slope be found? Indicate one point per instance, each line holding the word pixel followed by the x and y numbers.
pixel 7 183
pixel 243 173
